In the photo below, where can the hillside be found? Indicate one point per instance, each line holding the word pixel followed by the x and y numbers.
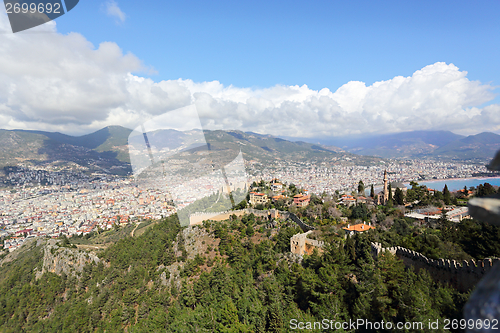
pixel 107 150
pixel 37 147
pixel 221 277
pixel 419 144
pixel 483 145
pixel 16 147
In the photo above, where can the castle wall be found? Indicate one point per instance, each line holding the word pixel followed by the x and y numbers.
pixel 300 244
pixel 462 275
pixel 198 218
pixel 298 221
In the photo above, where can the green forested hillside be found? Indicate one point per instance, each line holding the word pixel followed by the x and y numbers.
pixel 247 284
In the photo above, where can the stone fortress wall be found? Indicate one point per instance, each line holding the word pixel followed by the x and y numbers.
pixel 198 218
pixel 298 221
pixel 300 244
pixel 463 275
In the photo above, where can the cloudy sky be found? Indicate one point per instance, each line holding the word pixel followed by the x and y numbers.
pixel 297 69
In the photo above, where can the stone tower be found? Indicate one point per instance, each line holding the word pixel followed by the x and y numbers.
pixel 386 188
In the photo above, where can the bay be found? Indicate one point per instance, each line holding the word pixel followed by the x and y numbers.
pixel 457 183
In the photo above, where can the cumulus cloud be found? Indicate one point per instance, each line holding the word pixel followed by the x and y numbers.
pixel 64 83
pixel 113 10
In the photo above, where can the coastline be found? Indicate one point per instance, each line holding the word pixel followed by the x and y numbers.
pixel 445 179
pixel 455 184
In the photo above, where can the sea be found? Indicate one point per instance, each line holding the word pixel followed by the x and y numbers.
pixel 457 183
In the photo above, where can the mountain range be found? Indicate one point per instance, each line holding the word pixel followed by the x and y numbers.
pixel 419 144
pixel 103 150
pixel 107 150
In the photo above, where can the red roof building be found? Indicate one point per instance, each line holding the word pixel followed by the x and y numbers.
pixel 301 200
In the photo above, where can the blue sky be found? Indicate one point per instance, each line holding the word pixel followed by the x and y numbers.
pixel 321 44
pixel 291 68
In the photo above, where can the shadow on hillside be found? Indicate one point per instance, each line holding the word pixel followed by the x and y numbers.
pixel 106 161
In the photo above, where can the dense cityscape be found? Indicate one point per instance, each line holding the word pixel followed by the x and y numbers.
pixel 42 202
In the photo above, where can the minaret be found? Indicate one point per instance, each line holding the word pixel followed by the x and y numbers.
pixel 386 188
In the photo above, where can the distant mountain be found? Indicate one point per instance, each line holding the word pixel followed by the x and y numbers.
pixel 108 149
pixel 104 150
pixel 405 144
pixel 102 140
pixel 267 147
pixel 483 146
pixel 419 144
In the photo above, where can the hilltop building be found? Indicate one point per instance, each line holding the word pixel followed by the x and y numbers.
pixel 383 196
pixel 347 200
pixel 300 244
pixel 258 198
pixel 358 228
pixel 301 200
pixel 275 187
pixel 278 197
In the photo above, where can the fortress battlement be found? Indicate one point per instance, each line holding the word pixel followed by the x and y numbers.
pixel 463 275
pixel 300 244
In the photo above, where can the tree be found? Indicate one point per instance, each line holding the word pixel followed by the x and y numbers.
pixel 361 187
pixel 438 195
pixel 446 195
pixel 488 189
pixel 274 317
pixel 401 227
pixel 389 203
pixel 242 205
pixel 399 197
pixel 372 192
pixel 480 191
pixel 360 211
pixel 390 192
pixel 380 216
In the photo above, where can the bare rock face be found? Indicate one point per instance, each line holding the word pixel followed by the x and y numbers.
pixel 191 238
pixel 171 274
pixel 58 260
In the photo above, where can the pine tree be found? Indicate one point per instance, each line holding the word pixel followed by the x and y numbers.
pixel 399 197
pixel 361 187
pixel 372 192
pixel 446 195
pixel 274 317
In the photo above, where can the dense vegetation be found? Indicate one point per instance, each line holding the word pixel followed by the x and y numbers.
pixel 250 286
pixel 468 239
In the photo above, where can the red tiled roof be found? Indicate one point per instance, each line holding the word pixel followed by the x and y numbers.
pixel 359 227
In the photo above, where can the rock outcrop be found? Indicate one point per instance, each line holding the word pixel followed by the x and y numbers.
pixel 58 259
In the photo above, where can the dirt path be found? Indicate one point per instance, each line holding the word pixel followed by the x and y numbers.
pixel 132 233
pixel 91 247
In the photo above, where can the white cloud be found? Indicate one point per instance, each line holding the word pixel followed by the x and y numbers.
pixel 113 10
pixel 63 83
